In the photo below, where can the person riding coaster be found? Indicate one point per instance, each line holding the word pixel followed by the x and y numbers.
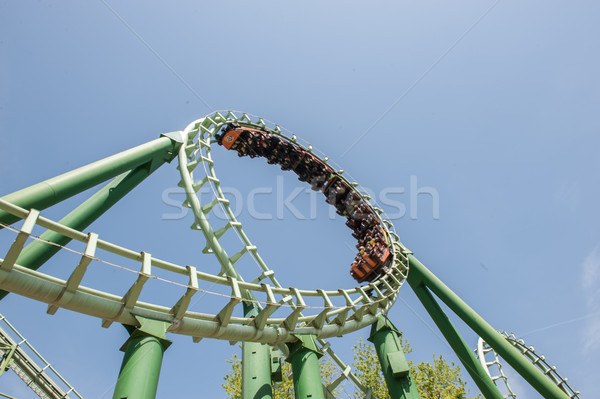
pixel 374 257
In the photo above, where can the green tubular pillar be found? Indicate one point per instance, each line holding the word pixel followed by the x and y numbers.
pixel 385 338
pixel 418 274
pixel 458 345
pixel 52 191
pixel 256 365
pixel 304 357
pixel 138 377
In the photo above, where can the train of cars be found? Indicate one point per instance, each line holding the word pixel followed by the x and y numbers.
pixel 374 252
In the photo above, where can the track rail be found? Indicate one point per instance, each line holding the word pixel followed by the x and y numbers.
pixel 283 312
pixel 353 309
pixel 491 363
pixel 341 311
pixel 18 354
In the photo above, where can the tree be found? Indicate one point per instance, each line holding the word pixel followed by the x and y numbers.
pixel 440 380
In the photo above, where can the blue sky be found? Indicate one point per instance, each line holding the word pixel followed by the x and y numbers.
pixel 497 115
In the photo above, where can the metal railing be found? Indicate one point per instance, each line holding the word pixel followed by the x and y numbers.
pixel 27 363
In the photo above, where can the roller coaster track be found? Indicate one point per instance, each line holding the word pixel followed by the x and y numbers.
pixel 491 363
pixel 283 312
pixel 247 304
pixel 17 354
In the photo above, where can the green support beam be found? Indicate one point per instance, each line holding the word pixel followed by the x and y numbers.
pixel 38 252
pixel 304 358
pixel 458 345
pixel 138 376
pixel 52 191
pixel 386 339
pixel 256 365
pixel 7 357
pixel 419 274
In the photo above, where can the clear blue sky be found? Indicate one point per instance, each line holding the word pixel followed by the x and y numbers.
pixel 498 114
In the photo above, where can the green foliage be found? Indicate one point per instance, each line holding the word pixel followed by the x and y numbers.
pixel 440 380
pixel 233 378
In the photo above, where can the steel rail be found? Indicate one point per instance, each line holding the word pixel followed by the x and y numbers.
pixel 342 310
pixel 494 366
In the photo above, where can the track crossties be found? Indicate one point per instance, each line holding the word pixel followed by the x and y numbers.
pixel 374 246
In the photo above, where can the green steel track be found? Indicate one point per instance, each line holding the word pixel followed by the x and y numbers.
pixel 251 307
pixel 491 361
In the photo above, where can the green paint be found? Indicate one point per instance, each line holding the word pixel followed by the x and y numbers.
pixel 138 377
pixel 256 365
pixel 458 345
pixel 38 252
pixel 52 191
pixel 385 337
pixel 419 274
pixel 304 358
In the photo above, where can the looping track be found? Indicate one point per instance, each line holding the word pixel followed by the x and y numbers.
pixel 283 311
pixel 277 315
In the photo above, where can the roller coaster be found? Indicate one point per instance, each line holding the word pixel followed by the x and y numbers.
pixel 270 320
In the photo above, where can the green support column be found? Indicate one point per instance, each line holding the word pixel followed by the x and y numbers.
pixel 385 338
pixel 418 274
pixel 458 345
pixel 52 191
pixel 256 365
pixel 138 377
pixel 304 358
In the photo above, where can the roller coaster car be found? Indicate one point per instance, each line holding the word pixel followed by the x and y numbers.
pixel 370 266
pixel 230 138
pixel 375 261
pixel 358 271
pixel 361 218
pixel 319 174
pixel 232 132
pixel 299 166
pixel 335 190
pixel 308 167
pixel 329 183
